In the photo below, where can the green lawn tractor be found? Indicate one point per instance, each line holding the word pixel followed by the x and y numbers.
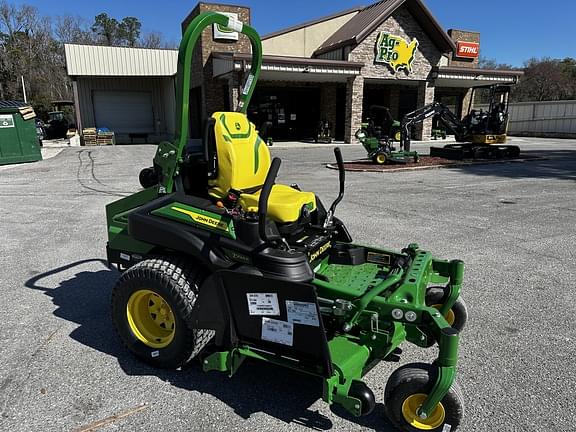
pixel 221 264
pixel 378 135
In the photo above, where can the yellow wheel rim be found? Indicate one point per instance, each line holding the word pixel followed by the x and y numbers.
pixel 381 159
pixel 410 412
pixel 150 319
pixel 397 136
pixel 450 316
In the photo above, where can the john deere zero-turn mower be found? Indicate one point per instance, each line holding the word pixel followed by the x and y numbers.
pixel 377 136
pixel 221 264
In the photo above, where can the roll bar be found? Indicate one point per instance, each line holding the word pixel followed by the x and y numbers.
pixel 173 153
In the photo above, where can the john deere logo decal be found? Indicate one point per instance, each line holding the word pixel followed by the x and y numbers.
pixel 237 126
pixel 395 51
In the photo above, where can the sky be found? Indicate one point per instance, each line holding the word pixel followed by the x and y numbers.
pixel 512 31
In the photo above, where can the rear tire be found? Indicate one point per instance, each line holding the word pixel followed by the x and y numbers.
pixel 152 305
pixel 406 389
pixel 380 158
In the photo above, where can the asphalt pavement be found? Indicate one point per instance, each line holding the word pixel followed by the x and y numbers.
pixel 62 367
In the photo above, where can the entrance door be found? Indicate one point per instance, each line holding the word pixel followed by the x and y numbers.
pixel 408 102
pixel 293 112
pixel 124 112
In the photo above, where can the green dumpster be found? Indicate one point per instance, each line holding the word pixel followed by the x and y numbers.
pixel 18 138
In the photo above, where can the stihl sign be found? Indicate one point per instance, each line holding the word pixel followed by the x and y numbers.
pixel 467 49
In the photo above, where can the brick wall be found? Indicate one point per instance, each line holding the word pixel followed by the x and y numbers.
pixel 214 92
pixel 402 24
pixel 463 36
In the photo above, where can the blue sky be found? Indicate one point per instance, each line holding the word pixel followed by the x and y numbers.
pixel 512 30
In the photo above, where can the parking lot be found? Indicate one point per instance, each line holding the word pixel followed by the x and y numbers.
pixel 514 224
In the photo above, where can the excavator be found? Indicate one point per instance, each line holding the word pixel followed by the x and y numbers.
pixel 480 134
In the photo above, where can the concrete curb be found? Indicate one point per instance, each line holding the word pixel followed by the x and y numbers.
pixel 430 167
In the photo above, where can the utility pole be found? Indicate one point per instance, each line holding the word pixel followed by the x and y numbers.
pixel 24 90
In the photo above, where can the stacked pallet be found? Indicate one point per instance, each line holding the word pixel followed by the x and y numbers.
pixel 105 138
pixel 27 112
pixel 90 136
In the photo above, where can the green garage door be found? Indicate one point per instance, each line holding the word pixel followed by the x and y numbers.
pixel 124 112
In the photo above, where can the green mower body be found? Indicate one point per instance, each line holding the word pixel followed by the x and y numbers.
pixel 215 279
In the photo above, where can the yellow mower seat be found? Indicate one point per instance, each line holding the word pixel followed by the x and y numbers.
pixel 243 163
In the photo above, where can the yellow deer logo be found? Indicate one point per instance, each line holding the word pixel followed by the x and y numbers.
pixel 395 51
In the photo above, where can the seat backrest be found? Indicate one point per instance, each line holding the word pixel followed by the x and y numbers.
pixel 243 158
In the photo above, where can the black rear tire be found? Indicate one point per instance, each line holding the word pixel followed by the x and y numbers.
pixel 176 283
pixel 418 379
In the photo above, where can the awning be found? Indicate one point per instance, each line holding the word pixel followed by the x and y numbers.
pixel 446 76
pixel 281 68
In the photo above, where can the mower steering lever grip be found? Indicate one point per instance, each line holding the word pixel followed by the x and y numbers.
pixel 263 200
pixel 342 179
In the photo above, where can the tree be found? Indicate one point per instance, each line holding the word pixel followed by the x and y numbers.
pixel 32 46
pixel 546 80
pixel 72 29
pixel 129 30
pixel 106 28
pixel 490 63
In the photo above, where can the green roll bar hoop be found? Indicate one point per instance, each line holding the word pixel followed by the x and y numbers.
pixel 169 154
pixel 191 35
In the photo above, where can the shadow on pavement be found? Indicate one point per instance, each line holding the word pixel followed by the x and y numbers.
pixel 257 387
pixel 556 164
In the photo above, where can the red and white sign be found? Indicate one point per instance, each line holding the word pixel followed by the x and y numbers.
pixel 467 49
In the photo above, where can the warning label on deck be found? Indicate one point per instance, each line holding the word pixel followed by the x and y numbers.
pixel 302 313
pixel 276 331
pixel 263 304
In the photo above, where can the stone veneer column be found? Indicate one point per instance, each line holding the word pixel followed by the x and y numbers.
pixel 354 99
pixel 426 92
pixel 467 97
pixel 328 105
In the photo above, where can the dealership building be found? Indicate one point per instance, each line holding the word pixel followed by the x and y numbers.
pixel 392 53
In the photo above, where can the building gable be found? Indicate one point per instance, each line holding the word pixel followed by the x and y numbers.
pixel 400 24
pixel 303 40
pixel 368 19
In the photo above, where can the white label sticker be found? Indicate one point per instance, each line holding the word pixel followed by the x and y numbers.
pixel 155 354
pixel 280 332
pixel 248 84
pixel 229 32
pixel 302 313
pixel 6 121
pixel 263 304
pixel 446 428
pixel 124 256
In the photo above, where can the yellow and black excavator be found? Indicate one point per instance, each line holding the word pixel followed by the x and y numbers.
pixel 481 134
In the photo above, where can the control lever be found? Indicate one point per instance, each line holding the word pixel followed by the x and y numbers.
pixel 263 200
pixel 342 178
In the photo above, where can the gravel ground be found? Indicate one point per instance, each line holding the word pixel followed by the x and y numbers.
pixel 63 368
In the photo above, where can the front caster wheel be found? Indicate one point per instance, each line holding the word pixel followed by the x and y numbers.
pixel 152 307
pixel 362 392
pixel 406 390
pixel 457 315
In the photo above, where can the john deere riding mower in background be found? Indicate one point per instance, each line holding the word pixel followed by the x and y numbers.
pixel 222 264
pixel 378 135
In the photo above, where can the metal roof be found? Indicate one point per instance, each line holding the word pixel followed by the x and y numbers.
pixel 13 104
pixel 91 60
pixel 369 18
